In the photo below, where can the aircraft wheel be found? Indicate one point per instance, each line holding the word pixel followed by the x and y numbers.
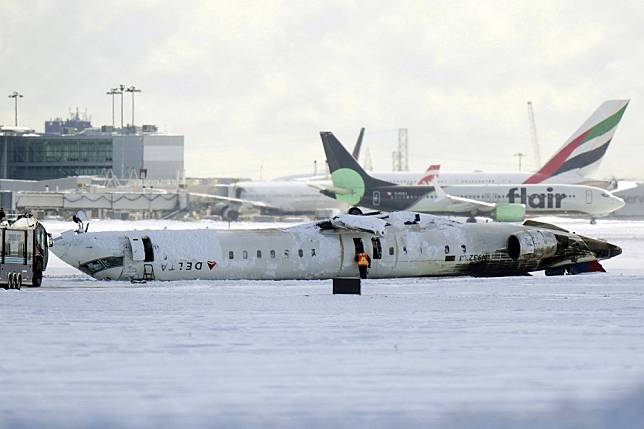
pixel 19 281
pixel 593 221
pixel 10 281
pixel 471 219
pixel 355 211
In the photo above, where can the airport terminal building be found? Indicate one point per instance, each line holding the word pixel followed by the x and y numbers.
pixel 129 153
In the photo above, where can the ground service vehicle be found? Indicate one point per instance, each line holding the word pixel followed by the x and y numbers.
pixel 24 252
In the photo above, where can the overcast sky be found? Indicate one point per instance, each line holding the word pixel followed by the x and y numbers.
pixel 251 84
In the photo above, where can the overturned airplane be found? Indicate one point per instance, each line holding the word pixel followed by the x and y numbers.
pixel 401 244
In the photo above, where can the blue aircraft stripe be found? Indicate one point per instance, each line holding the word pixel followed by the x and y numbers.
pixel 583 159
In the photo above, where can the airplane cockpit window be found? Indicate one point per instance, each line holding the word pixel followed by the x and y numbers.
pixel 604 194
pixel 92 267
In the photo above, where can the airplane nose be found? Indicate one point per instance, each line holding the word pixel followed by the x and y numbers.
pixel 65 249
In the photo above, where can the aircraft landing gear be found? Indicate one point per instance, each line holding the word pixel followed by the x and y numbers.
pixel 593 221
pixel 471 219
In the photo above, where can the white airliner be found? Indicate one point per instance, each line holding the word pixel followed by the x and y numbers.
pixel 401 244
pixel 356 187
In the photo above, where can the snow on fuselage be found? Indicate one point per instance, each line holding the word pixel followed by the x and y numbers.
pixel 431 247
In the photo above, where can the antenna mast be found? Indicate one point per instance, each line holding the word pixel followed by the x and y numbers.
pixel 533 136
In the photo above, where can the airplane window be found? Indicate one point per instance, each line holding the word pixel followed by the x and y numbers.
pixel 300 252
pixel 272 254
pixel 463 248
pixel 377 249
pixel 446 249
pixel 404 250
pixel 391 250
pixel 312 252
pixel 245 254
pixel 231 255
pixel 259 254
pixel 286 253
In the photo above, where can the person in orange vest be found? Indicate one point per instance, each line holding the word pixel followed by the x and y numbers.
pixel 364 263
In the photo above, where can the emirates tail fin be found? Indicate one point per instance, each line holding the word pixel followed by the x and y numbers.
pixel 582 153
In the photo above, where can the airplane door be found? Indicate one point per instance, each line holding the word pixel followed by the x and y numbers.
pixel 376 198
pixel 383 256
pixel 589 197
pixel 138 250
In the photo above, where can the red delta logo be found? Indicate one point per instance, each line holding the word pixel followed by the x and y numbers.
pixel 537 200
pixel 211 265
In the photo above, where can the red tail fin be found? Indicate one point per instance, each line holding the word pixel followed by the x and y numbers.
pixel 431 174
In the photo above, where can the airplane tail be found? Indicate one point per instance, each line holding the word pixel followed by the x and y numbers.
pixel 582 153
pixel 358 146
pixel 431 174
pixel 350 181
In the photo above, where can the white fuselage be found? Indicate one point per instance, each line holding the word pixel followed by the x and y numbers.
pixel 432 247
pixel 450 178
pixel 288 196
pixel 538 199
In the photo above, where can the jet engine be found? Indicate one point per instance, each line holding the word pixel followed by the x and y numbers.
pixel 509 212
pixel 536 244
pixel 228 212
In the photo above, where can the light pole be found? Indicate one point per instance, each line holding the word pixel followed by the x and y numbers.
pixel 15 95
pixel 519 155
pixel 121 88
pixel 132 89
pixel 113 92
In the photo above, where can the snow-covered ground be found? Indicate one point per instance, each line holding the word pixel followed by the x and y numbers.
pixel 461 352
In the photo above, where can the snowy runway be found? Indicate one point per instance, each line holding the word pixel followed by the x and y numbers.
pixel 78 351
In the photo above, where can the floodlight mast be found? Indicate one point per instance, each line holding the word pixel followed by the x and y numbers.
pixel 132 89
pixel 121 88
pixel 113 92
pixel 15 95
pixel 520 156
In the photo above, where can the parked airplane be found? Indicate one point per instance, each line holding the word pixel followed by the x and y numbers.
pixel 283 196
pixel 400 244
pixel 574 163
pixel 354 186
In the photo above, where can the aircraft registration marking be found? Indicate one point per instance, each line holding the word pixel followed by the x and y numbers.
pixel 474 258
pixel 184 266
